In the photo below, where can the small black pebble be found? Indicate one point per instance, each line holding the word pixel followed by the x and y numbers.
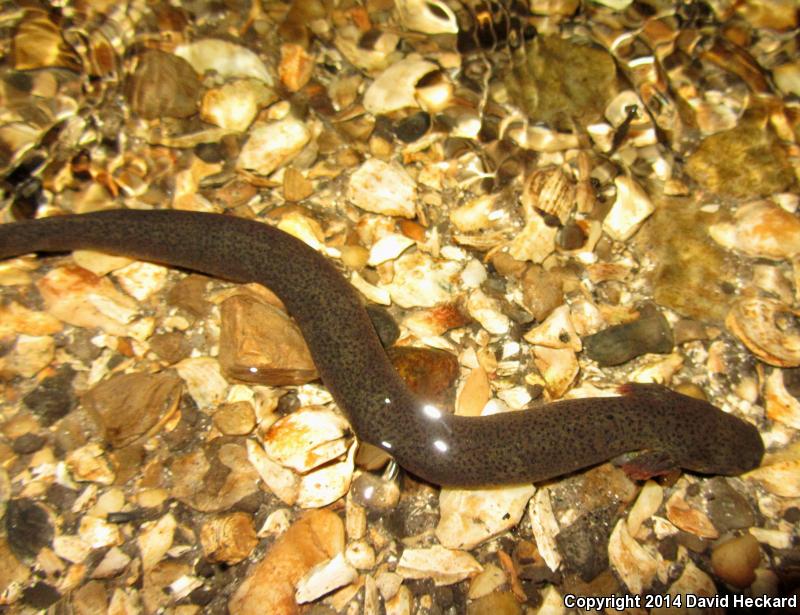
pixel 571 237
pixel 413 127
pixel 28 528
pixel 53 398
pixel 201 596
pixel 28 443
pixel 40 596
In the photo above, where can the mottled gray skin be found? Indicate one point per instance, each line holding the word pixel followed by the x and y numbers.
pixel 515 447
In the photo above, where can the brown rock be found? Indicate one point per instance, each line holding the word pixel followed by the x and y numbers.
pixel 163 85
pixel 132 406
pixel 496 603
pixel 295 186
pixel 427 371
pixel 735 561
pixel 11 569
pixel 91 599
pixel 295 67
pixel 753 161
pixel 236 419
pixel 214 477
pixel 189 295
pixel 259 343
pixel 270 584
pixel 542 291
pixel 171 347
pixel 228 539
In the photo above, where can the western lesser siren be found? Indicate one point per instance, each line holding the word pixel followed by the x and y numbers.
pixel 526 446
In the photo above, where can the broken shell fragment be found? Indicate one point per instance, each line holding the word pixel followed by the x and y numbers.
pixel 227 59
pixel 272 145
pixel 551 192
pixel 632 207
pixel 444 566
pixel 760 229
pixel 306 438
pixel 383 189
pixel 766 327
pixel 395 88
pixel 235 105
pixel 427 16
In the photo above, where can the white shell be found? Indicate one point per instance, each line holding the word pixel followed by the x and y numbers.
pixel 383 188
pixel 227 59
pixel 388 248
pixel 306 438
pixel 470 517
pixel 760 229
pixel 324 578
pixel 427 16
pixel 444 566
pixel 395 87
pixel 272 145
pixel 754 321
pixel 204 381
pixel 487 311
pixel 632 207
pixel 635 566
pixel 781 405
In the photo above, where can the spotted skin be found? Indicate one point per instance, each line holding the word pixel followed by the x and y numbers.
pixel 528 446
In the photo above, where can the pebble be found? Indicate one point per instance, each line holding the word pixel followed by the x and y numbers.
pixel 29 528
pixel 375 493
pixel 235 419
pixel 444 566
pixel 306 438
pixel 215 476
pixel 269 585
pixel 621 343
pixel 90 463
pixel 235 105
pixel 28 443
pixel 630 209
pixel 496 603
pixel 128 407
pixel 163 85
pixel 204 381
pixel 53 398
pixel 727 508
pixel 78 297
pixel 324 578
pixel 171 347
pixel 635 566
pixel 429 372
pixel 229 538
pixel 295 67
pixel 755 162
pixel 260 344
pixel 736 560
pixel 420 281
pixel 388 248
pixel 757 322
pixel 539 88
pixel 577 542
pixel 413 127
pixel 677 237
